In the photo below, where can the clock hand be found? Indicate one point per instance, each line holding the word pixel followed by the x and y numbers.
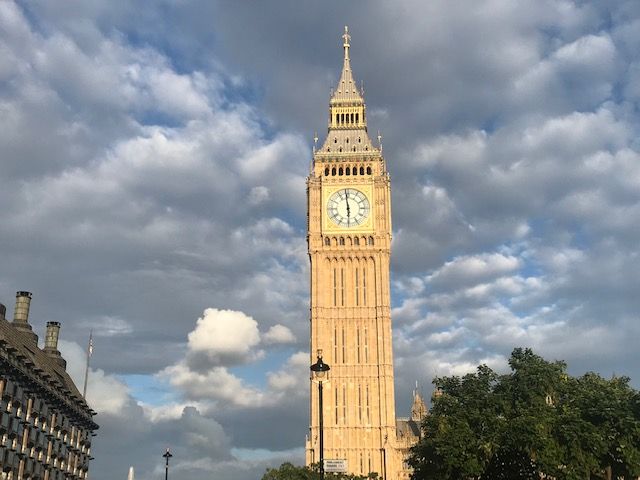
pixel 348 208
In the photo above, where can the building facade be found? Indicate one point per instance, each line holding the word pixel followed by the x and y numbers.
pixel 349 245
pixel 46 426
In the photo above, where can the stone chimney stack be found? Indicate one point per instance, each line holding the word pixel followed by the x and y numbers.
pixel 51 343
pixel 51 339
pixel 21 315
pixel 21 312
pixel 3 310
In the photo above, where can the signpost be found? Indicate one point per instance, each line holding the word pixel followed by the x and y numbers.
pixel 335 465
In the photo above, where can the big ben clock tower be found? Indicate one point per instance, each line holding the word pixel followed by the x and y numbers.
pixel 349 240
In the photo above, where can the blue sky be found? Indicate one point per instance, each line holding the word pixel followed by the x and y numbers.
pixel 153 158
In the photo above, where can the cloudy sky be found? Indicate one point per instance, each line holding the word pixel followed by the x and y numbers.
pixel 153 157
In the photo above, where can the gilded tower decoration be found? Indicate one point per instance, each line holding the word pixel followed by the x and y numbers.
pixel 349 240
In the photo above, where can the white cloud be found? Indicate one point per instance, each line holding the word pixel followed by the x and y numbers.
pixel 215 384
pixel 472 269
pixel 293 377
pixel 278 334
pixel 223 334
pixel 258 195
pixel 105 393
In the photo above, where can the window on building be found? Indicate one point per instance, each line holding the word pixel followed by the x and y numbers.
pixel 344 402
pixel 366 346
pixel 364 286
pixel 367 406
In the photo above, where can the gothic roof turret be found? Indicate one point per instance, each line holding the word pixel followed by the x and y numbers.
pixel 419 408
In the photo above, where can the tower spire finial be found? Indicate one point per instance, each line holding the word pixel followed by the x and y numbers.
pixel 346 37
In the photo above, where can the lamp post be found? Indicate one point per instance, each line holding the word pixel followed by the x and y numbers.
pixel 167 455
pixel 319 371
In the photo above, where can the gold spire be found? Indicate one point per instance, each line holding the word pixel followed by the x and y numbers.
pixel 346 44
pixel 347 114
pixel 347 90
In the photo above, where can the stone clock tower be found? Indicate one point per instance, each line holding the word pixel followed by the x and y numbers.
pixel 349 238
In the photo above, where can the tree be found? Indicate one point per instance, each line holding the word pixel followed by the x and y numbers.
pixel 288 471
pixel 536 421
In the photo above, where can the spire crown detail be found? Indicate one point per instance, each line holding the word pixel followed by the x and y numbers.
pixel 347 89
pixel 346 44
pixel 347 132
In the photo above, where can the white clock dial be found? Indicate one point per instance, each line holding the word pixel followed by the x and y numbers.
pixel 348 207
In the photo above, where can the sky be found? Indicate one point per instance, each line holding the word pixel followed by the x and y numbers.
pixel 153 157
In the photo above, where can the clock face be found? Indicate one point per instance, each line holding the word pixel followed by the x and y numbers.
pixel 348 207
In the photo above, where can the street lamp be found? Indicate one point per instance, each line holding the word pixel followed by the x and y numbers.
pixel 167 455
pixel 319 371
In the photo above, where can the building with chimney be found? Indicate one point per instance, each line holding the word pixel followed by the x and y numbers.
pixel 46 426
pixel 349 245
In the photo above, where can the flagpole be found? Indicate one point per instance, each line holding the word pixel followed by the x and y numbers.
pixel 86 371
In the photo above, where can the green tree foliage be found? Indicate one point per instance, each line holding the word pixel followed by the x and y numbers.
pixel 533 423
pixel 288 471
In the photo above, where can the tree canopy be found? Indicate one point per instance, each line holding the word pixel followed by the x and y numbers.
pixel 534 422
pixel 288 471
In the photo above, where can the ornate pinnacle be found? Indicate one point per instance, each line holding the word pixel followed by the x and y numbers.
pixel 346 37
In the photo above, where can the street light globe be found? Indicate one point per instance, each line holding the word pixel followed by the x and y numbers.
pixel 319 369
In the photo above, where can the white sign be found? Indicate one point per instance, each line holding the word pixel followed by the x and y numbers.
pixel 335 465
